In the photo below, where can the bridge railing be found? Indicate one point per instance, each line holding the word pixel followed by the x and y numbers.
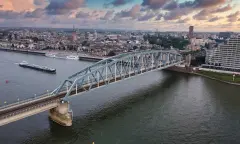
pixel 22 101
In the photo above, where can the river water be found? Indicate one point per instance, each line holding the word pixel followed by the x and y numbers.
pixel 154 108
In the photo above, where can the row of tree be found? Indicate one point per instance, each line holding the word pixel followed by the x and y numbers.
pixel 167 41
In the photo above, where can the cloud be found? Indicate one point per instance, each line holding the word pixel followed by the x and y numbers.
pixel 207 13
pixel 171 5
pixel 57 7
pixel 147 16
pixel 83 15
pixel 108 15
pixel 154 4
pixel 9 14
pixel 203 3
pixel 176 14
pixel 1 6
pixel 214 19
pixel 183 20
pixel 40 2
pixel 174 4
pixel 233 17
pixel 133 12
pixel 38 13
pixel 17 5
pixel 173 9
pixel 223 9
pixel 202 15
pixel 117 3
pixel 159 17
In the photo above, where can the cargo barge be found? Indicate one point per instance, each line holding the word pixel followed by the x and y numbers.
pixel 24 64
pixel 88 58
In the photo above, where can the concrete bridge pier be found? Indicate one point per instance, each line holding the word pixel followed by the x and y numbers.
pixel 61 114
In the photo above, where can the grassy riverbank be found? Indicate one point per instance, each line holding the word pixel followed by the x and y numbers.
pixel 221 76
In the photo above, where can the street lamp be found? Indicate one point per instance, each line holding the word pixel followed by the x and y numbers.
pixel 234 77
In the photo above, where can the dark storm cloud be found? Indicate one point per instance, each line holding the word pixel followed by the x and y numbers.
pixel 60 7
pixel 117 3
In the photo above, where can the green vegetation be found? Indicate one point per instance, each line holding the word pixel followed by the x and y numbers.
pixel 221 76
pixel 167 41
pixel 111 53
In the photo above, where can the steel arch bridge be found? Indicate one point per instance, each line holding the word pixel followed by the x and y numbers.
pixel 115 69
pixel 100 74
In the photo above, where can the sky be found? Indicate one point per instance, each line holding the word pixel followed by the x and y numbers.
pixel 161 15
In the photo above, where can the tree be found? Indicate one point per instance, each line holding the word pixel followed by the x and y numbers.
pixel 135 47
pixel 207 46
pixel 111 53
pixel 85 43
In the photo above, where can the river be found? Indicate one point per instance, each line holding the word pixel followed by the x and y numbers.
pixel 155 108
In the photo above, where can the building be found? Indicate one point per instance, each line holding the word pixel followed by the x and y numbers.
pixel 231 53
pixel 226 56
pixel 95 34
pixel 225 35
pixel 87 35
pixel 213 56
pixel 190 33
pixel 113 37
pixel 74 36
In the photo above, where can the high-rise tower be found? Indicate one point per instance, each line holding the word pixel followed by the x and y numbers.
pixel 74 34
pixel 190 33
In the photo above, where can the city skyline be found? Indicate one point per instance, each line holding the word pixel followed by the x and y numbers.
pixel 164 15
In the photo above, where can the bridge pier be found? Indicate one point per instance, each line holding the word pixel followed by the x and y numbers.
pixel 61 114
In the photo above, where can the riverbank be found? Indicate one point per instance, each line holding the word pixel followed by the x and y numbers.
pixel 225 77
pixel 90 59
pixel 221 77
pixel 56 54
pixel 23 51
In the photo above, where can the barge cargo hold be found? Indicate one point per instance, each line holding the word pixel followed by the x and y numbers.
pixel 37 67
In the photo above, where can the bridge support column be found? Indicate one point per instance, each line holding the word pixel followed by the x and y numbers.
pixel 61 114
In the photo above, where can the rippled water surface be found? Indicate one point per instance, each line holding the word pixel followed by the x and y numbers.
pixel 154 108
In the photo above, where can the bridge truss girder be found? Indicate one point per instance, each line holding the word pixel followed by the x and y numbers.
pixel 117 68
